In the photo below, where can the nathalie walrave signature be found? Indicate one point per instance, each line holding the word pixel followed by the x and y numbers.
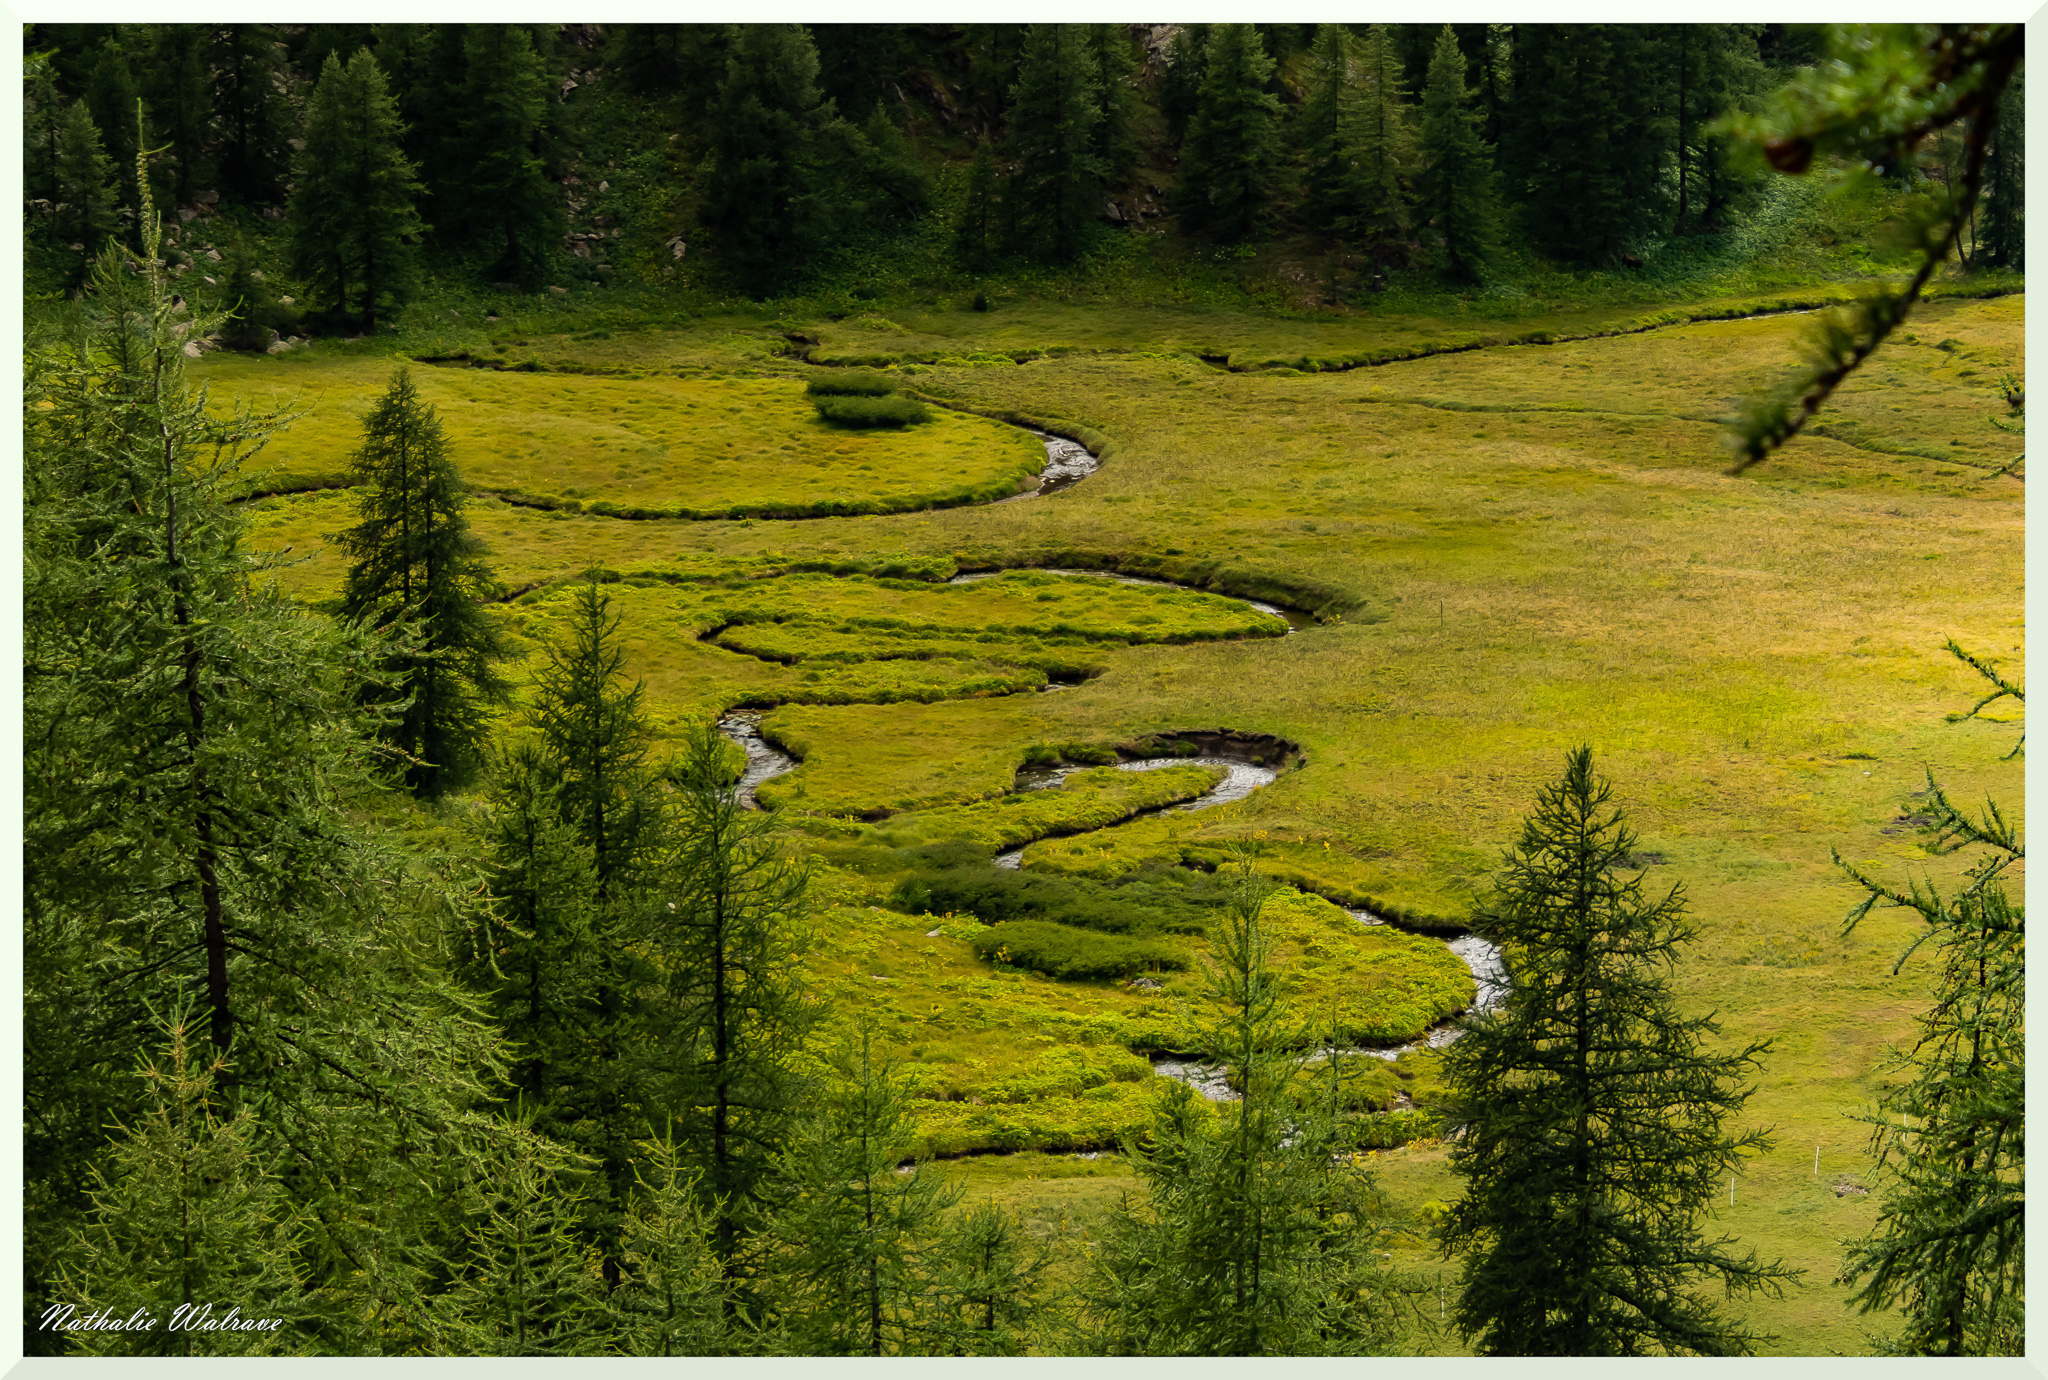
pixel 186 1317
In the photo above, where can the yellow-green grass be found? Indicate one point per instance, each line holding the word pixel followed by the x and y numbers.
pixel 1000 1058
pixel 1756 660
pixel 636 447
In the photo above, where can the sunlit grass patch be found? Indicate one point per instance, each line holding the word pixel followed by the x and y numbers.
pixel 634 447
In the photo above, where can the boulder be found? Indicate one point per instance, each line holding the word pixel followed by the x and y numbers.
pixel 558 291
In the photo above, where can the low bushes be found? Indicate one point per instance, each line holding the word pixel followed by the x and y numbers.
pixel 861 398
pixel 1063 951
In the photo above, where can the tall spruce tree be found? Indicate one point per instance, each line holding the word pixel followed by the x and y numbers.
pixel 978 225
pixel 413 561
pixel 729 918
pixel 1258 1236
pixel 353 226
pixel 1113 61
pixel 85 210
pixel 858 1243
pixel 252 108
pixel 174 83
pixel 1385 151
pixel 766 196
pixel 498 188
pixel 112 96
pixel 1454 187
pixel 1230 162
pixel 1331 184
pixel 2005 181
pixel 1588 1113
pixel 1180 79
pixel 1055 112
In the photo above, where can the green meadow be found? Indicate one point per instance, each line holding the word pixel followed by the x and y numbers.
pixel 1496 551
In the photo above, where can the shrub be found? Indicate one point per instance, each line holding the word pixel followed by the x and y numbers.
pixel 1061 951
pixel 851 383
pixel 865 412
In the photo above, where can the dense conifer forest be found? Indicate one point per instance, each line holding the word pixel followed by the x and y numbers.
pixel 1022 689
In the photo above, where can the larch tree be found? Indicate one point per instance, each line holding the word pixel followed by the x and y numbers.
pixel 1257 1236
pixel 1588 1113
pixel 354 229
pixel 195 748
pixel 729 914
pixel 414 562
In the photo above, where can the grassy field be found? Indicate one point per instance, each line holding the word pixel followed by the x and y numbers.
pixel 1511 550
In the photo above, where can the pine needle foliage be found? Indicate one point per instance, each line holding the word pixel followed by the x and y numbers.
pixel 858 1241
pixel 1949 1248
pixel 413 561
pixel 1454 188
pixel 1588 1114
pixel 1257 1236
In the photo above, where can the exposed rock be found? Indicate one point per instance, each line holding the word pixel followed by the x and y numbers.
pixel 214 256
pixel 206 198
pixel 187 214
pixel 505 287
pixel 604 186
pixel 1154 38
pixel 284 301
pixel 933 934
pixel 558 291
pixel 580 250
pixel 676 247
pixel 255 274
pixel 1114 214
pixel 1139 984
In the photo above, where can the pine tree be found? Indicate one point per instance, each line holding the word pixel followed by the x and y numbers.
pixel 195 752
pixel 729 919
pixel 765 196
pixel 1113 73
pixel 990 1285
pixel 884 172
pixel 978 226
pixel 1385 151
pixel 352 221
pixel 1454 189
pixel 1257 1237
pixel 174 83
pixel 595 736
pixel 254 114
pixel 1180 80
pixel 187 1225
pixel 671 1301
pixel 414 562
pixel 499 187
pixel 857 1257
pixel 1055 112
pixel 2005 181
pixel 42 114
pixel 1233 143
pixel 522 1283
pixel 1949 1248
pixel 1332 194
pixel 85 190
pixel 1588 1113
pixel 112 97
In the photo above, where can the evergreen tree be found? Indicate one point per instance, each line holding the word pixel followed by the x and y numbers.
pixel 174 83
pixel 1180 80
pixel 254 114
pixel 1949 1248
pixel 730 924
pixel 990 1285
pixel 1588 1113
pixel 978 227
pixel 42 118
pixel 1332 194
pixel 670 1302
pixel 1113 73
pixel 499 187
pixel 887 178
pixel 1055 111
pixel 196 751
pixel 353 226
pixel 534 959
pixel 522 1283
pixel 1258 1237
pixel 766 198
pixel 2005 181
pixel 1454 189
pixel 1233 143
pixel 112 97
pixel 1385 150
pixel 187 1225
pixel 84 213
pixel 858 63
pixel 595 736
pixel 858 1242
pixel 413 561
